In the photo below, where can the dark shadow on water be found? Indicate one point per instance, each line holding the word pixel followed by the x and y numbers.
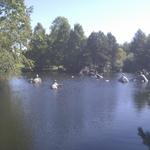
pixel 142 99
pixel 12 130
pixel 145 135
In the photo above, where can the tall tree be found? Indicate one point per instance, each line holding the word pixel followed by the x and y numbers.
pixel 74 54
pixel 144 57
pixel 138 43
pixel 138 48
pixel 38 47
pixel 112 49
pixel 59 36
pixel 15 32
pixel 120 57
pixel 97 46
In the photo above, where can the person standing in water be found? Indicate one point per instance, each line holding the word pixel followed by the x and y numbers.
pixel 55 85
pixel 123 78
pixel 37 79
pixel 143 77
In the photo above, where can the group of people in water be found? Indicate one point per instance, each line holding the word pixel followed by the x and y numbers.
pixel 140 77
pixel 123 79
pixel 38 80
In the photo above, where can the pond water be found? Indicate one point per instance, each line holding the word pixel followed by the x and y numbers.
pixel 85 114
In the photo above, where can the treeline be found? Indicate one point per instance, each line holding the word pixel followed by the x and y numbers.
pixel 64 47
pixel 72 50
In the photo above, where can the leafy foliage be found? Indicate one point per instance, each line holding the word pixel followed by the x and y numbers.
pixel 38 47
pixel 139 49
pixel 64 46
pixel 59 36
pixel 74 52
pixel 15 33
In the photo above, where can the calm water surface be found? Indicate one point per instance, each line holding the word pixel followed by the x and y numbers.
pixel 85 114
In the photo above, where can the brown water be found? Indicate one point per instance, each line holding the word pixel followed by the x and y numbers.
pixel 85 114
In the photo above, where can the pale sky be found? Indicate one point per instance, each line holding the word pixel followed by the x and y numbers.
pixel 120 17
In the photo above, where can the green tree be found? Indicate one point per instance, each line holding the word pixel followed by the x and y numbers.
pixel 144 56
pixel 73 61
pixel 7 62
pixel 97 45
pixel 59 36
pixel 120 57
pixel 129 64
pixel 15 33
pixel 138 46
pixel 147 54
pixel 126 47
pixel 112 48
pixel 38 47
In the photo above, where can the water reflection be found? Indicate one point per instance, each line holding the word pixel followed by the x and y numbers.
pixel 142 98
pixel 12 132
pixel 62 119
pixel 145 135
pixel 84 114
